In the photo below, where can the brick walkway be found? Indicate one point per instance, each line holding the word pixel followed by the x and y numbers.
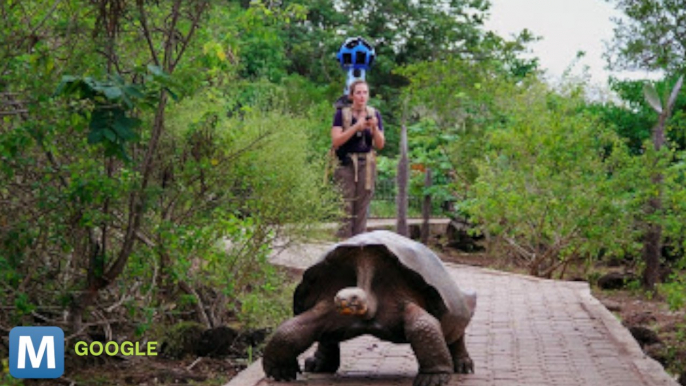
pixel 526 331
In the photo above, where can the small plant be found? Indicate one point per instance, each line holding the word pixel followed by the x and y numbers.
pixel 5 377
pixel 634 285
pixel 267 307
pixel 674 292
pixel 593 277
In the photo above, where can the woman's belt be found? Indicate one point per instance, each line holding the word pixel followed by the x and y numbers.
pixel 369 158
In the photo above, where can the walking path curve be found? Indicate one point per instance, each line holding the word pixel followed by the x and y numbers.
pixel 526 331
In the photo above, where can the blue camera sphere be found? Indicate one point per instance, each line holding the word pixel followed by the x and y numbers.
pixel 356 53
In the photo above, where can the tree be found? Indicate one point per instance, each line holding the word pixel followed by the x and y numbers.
pixel 550 187
pixel 651 36
pixel 653 238
pixel 401 32
pixel 457 100
pixel 126 166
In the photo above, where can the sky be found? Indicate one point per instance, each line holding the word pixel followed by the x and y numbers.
pixel 566 27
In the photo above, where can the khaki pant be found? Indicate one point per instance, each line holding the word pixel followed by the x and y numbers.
pixel 356 197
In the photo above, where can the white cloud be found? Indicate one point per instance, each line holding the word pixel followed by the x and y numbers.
pixel 566 27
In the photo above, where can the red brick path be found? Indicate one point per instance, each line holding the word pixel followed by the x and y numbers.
pixel 526 331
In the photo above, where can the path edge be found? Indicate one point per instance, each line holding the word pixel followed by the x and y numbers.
pixel 649 369
pixel 250 376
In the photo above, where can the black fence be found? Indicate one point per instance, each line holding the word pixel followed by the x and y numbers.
pixel 383 203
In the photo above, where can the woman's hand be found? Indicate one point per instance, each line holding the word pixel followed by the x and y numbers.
pixel 373 123
pixel 366 123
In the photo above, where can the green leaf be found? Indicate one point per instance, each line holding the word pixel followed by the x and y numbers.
pixel 63 86
pixel 110 135
pixel 157 71
pixel 172 94
pixel 112 93
pixel 99 120
pixel 133 91
pixel 95 136
pixel 123 127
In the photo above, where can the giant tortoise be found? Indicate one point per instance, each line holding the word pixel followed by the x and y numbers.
pixel 377 283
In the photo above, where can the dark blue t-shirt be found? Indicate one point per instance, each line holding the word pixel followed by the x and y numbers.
pixel 361 142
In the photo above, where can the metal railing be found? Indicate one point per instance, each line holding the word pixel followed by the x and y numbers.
pixel 383 203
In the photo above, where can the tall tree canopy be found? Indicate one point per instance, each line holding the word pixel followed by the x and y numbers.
pixel 651 36
pixel 402 32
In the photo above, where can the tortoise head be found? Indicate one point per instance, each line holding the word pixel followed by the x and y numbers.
pixel 352 301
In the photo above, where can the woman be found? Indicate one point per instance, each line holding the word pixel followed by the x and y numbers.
pixel 356 130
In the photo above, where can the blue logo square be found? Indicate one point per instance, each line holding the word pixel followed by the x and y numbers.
pixel 36 352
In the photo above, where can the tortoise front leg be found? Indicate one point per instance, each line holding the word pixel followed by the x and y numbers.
pixel 294 336
pixel 462 363
pixel 424 333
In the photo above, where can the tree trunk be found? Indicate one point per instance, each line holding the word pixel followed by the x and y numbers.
pixel 402 180
pixel 652 243
pixel 426 208
pixel 651 256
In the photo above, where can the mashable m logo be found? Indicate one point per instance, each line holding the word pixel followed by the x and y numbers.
pixel 36 352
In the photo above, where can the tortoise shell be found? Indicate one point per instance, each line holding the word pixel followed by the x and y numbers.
pixel 413 260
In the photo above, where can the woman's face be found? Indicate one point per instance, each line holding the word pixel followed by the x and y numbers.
pixel 360 95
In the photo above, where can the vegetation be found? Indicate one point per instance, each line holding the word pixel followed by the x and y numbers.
pixel 152 151
pixel 142 182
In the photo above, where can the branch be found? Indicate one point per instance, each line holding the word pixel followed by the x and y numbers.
pixel 13 112
pixel 168 44
pixel 146 32
pixel 200 308
pixel 33 31
pixel 124 298
pixel 187 40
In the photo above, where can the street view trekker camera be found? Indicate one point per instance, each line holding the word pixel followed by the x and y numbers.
pixel 356 57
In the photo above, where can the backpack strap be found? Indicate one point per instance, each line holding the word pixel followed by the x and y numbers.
pixel 347 117
pixel 371 111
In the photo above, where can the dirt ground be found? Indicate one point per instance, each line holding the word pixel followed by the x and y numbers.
pixel 148 372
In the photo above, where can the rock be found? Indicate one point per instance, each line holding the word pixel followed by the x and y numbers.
pixel 216 342
pixel 611 305
pixel 615 280
pixel 644 336
pixel 459 237
pixel 615 263
pixel 415 231
pixel 656 351
pixel 249 338
pixel 181 339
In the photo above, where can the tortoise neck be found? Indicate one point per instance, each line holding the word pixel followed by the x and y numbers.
pixel 365 277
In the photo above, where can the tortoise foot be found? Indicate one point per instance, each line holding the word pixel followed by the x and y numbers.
pixel 431 379
pixel 282 371
pixel 464 365
pixel 326 359
pixel 316 364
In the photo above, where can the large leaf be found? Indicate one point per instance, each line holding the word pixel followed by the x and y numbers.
pixel 123 126
pixel 652 98
pixel 675 93
pixel 95 136
pixel 112 92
